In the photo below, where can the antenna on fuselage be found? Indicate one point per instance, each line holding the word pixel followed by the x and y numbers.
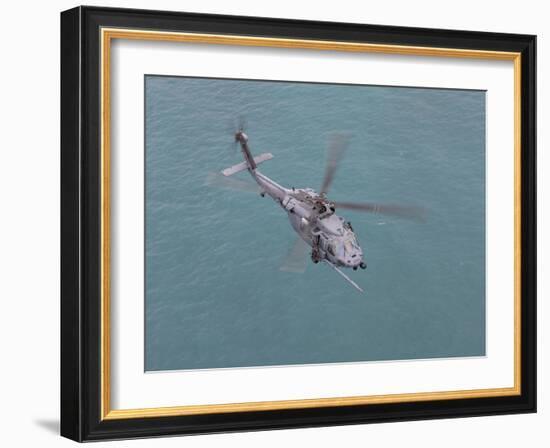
pixel 355 285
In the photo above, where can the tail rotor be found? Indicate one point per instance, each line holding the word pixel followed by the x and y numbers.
pixel 235 127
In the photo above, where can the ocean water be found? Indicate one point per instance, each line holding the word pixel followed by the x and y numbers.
pixel 215 296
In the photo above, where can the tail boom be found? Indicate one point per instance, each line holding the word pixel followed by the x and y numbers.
pixel 267 185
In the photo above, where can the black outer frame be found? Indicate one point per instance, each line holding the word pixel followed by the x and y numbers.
pixel 80 224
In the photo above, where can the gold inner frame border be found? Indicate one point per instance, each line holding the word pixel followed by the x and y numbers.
pixel 106 37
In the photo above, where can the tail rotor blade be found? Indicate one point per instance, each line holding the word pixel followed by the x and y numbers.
pixel 242 123
pixel 230 130
pixel 237 124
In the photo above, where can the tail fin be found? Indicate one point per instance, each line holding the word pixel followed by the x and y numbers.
pixel 244 165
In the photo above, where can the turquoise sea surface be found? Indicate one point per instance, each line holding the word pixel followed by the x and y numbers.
pixel 214 294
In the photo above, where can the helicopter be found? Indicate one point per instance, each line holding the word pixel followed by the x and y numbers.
pixel 312 214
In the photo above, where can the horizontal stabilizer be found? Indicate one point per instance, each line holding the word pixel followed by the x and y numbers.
pixel 243 166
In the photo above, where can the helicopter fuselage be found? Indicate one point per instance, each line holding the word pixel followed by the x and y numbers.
pixel 312 216
pixel 329 235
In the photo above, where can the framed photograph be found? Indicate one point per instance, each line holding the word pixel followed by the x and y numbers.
pixel 275 224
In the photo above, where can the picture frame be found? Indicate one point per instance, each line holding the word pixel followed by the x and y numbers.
pixel 87 35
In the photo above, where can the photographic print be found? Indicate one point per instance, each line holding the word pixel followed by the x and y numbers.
pixel 297 223
pixel 271 223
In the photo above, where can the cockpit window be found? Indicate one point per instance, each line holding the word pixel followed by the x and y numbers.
pixel 348 246
pixel 343 248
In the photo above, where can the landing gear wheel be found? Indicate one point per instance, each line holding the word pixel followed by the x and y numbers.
pixel 315 255
pixel 363 265
pixel 315 252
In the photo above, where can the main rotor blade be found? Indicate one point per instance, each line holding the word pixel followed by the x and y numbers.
pixel 337 147
pixel 297 258
pixel 401 211
pixel 230 183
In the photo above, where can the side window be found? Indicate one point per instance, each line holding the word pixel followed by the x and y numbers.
pixel 330 249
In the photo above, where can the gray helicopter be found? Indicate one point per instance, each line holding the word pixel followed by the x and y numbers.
pixel 312 215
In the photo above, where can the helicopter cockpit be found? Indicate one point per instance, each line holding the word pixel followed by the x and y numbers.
pixel 345 251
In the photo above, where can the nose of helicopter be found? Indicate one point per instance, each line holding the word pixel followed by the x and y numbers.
pixel 354 261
